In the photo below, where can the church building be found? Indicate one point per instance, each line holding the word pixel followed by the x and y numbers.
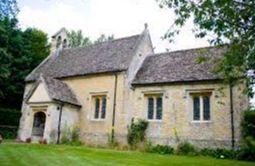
pixel 100 88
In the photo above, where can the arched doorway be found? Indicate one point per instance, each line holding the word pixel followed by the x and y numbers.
pixel 39 124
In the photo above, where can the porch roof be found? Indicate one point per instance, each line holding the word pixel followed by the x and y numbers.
pixel 56 89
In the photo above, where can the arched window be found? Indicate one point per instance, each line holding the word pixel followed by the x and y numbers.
pixel 59 40
pixel 39 124
pixel 64 43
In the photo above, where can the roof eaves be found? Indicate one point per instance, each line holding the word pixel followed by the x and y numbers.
pixel 32 90
pixel 42 63
pixel 136 83
pixel 71 103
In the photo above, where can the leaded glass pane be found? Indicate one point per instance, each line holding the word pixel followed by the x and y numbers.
pixel 150 107
pixel 103 107
pixel 97 107
pixel 159 108
pixel 206 112
pixel 196 108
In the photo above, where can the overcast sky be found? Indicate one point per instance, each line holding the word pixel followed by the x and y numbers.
pixel 94 17
pixel 119 17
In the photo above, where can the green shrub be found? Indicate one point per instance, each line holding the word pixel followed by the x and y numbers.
pixel 160 149
pixel 248 123
pixel 247 154
pixel 70 136
pixel 8 133
pixel 247 151
pixel 185 148
pixel 9 121
pixel 136 131
pixel 219 153
pixel 112 142
pixel 9 116
pixel 64 139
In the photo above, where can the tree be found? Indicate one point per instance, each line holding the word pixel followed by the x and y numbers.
pixel 231 22
pixel 103 38
pixel 20 52
pixel 14 60
pixel 37 45
pixel 8 8
pixel 76 39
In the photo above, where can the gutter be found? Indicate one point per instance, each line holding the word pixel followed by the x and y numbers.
pixel 59 122
pixel 232 117
pixel 114 108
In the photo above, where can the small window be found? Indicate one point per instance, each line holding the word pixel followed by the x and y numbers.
pixel 196 108
pixel 154 109
pixel 64 43
pixel 201 108
pixel 206 110
pixel 100 107
pixel 150 107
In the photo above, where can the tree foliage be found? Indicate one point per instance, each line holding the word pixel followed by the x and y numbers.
pixel 103 38
pixel 8 8
pixel 20 52
pixel 230 22
pixel 76 39
pixel 37 45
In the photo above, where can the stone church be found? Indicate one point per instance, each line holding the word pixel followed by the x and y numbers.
pixel 100 88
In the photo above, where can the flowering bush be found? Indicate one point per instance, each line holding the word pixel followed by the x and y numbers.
pixel 42 141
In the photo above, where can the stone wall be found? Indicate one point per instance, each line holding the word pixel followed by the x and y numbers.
pixel 132 103
pixel 88 87
pixel 178 112
pixel 40 102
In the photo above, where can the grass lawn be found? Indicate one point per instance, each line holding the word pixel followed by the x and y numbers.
pixel 12 154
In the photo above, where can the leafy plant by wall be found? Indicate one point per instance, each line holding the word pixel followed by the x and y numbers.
pixel 219 153
pixel 247 151
pixel 136 131
pixel 71 135
pixel 248 123
pixel 185 148
pixel 160 149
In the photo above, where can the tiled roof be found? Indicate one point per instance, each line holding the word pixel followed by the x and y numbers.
pixel 60 91
pixel 56 89
pixel 110 56
pixel 178 66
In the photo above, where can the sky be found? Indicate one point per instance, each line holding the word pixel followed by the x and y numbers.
pixel 118 17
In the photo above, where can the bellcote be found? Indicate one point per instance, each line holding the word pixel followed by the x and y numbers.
pixel 59 40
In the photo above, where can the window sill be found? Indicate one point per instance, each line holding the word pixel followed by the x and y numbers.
pixel 154 120
pixel 97 120
pixel 194 121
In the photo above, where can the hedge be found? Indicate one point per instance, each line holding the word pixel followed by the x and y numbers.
pixel 9 122
pixel 9 117
pixel 8 132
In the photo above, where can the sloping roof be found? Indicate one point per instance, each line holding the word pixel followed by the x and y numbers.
pixel 178 66
pixel 110 56
pixel 57 90
pixel 62 29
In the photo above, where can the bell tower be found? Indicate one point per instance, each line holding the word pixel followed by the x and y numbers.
pixel 59 40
